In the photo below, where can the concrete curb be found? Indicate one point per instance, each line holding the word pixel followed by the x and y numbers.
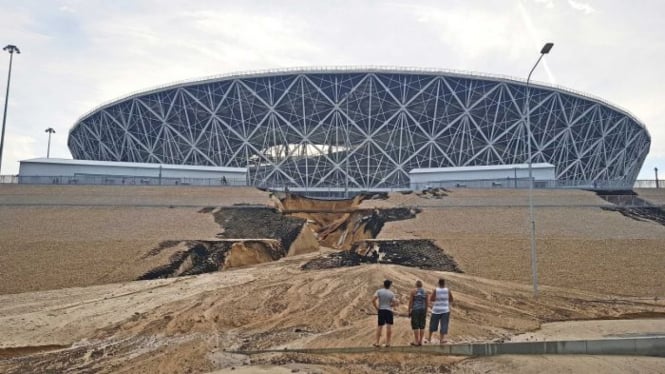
pixel 647 346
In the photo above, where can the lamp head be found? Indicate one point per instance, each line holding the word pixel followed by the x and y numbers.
pixel 546 48
pixel 11 49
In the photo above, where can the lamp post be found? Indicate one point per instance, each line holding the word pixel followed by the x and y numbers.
pixel 534 259
pixel 50 131
pixel 11 49
pixel 656 171
pixel 347 147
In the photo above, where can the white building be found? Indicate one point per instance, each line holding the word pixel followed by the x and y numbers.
pixel 66 171
pixel 513 176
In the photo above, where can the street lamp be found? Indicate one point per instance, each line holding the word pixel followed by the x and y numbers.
pixel 534 259
pixel 347 146
pixel 11 49
pixel 50 131
pixel 656 171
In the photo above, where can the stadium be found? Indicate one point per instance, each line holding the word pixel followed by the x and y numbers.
pixel 364 127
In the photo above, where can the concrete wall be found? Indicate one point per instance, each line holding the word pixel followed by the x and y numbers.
pixel 645 346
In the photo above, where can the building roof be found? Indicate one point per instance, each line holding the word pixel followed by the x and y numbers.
pixel 140 165
pixel 542 165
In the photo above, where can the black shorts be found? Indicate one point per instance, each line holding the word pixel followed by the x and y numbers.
pixel 418 319
pixel 385 317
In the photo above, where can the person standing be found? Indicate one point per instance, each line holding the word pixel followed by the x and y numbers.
pixel 418 305
pixel 384 301
pixel 442 300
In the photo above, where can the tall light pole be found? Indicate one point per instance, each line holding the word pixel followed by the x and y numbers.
pixel 50 131
pixel 656 171
pixel 534 259
pixel 11 49
pixel 347 146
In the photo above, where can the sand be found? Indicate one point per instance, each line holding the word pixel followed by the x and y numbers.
pixel 581 247
pixel 561 364
pixel 55 247
pixel 594 265
pixel 598 329
pixel 272 305
pixel 18 194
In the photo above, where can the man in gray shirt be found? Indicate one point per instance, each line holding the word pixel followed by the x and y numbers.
pixel 384 301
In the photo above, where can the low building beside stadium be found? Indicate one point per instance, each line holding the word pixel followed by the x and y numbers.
pixel 65 171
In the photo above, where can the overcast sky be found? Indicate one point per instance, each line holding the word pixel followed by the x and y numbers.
pixel 78 54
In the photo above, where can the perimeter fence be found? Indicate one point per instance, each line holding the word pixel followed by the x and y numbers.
pixel 499 183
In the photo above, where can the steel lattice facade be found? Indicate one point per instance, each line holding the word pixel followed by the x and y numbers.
pixel 312 128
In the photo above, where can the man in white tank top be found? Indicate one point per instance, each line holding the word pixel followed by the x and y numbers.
pixel 441 300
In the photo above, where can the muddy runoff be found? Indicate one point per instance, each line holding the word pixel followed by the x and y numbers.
pixel 297 225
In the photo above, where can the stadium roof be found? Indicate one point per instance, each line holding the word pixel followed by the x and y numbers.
pixel 357 69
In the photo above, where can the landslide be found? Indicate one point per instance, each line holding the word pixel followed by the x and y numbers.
pixel 250 236
pixel 253 235
pixel 340 223
pixel 192 324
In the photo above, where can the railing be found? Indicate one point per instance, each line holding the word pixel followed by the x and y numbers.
pixel 123 180
pixel 505 183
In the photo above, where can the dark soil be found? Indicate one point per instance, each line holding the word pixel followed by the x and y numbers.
pixel 632 206
pixel 336 260
pixel 162 246
pixel 433 193
pixel 254 223
pixel 378 217
pixel 205 256
pixel 420 253
pixel 653 214
pixel 202 256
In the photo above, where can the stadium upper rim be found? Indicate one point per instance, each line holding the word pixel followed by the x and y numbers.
pixel 358 69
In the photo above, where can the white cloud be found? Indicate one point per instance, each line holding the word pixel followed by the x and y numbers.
pixel 473 32
pixel 547 3
pixel 17 147
pixel 78 54
pixel 585 8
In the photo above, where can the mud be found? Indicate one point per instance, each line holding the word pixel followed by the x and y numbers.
pixel 433 193
pixel 338 223
pixel 254 235
pixel 630 205
pixel 419 253
pixel 258 223
pixel 29 350
pixel 205 256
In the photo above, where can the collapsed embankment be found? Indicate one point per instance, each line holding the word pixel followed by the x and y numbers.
pixel 298 225
pixel 250 236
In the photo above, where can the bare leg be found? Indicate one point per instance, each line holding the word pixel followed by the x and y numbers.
pixel 421 335
pixel 442 338
pixel 429 337
pixel 389 333
pixel 415 336
pixel 378 334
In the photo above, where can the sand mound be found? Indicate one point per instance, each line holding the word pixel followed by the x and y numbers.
pixel 181 323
